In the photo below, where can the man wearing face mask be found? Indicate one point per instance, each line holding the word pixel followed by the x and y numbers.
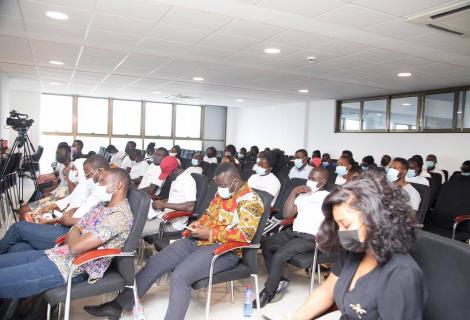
pixel 210 156
pixel 77 147
pixel 414 172
pixel 301 168
pixel 25 235
pixel 385 162
pixel 232 216
pixel 127 163
pixel 431 166
pixel 305 202
pixel 116 155
pixel 151 180
pixel 396 174
pixel 198 165
pixel 264 179
pixel 107 225
pixel 138 170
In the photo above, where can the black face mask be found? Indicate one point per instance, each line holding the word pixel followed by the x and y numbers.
pixel 61 158
pixel 349 240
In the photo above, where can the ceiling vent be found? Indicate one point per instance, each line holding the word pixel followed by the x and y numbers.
pixel 181 98
pixel 454 19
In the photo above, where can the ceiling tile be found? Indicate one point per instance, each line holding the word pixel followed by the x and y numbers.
pixel 139 9
pixel 81 88
pixel 87 77
pixel 259 48
pixel 99 60
pixel 227 42
pixel 178 68
pixel 316 70
pixel 9 8
pixel 438 68
pixel 398 29
pixel 251 29
pixel 15 50
pixel 119 39
pixel 299 39
pixel 37 11
pixel 320 56
pixel 119 80
pixel 141 64
pixel 19 70
pixel 409 61
pixel 196 19
pixel 46 51
pixel 345 63
pixel 341 47
pixel 463 48
pixel 163 47
pixel 106 91
pixel 81 4
pixel 306 8
pixel 149 83
pixel 65 31
pixel 376 55
pixel 177 34
pixel 354 17
pixel 400 7
pixel 11 23
pixel 207 52
pixel 436 39
pixel 55 74
pixel 251 59
pixel 375 68
pixel 25 84
pixel 120 24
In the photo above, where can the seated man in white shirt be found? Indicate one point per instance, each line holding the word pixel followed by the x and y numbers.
pixel 264 179
pixel 138 170
pixel 198 165
pixel 211 155
pixel 301 169
pixel 182 197
pixel 431 166
pixel 127 163
pixel 116 155
pixel 151 180
pixel 230 150
pixel 415 169
pixel 305 202
pixel 396 173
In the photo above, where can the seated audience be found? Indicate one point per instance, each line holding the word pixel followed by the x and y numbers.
pixel 149 152
pixel 127 163
pixel 151 179
pixel 431 166
pixel 138 170
pixel 345 169
pixel 116 156
pixel 76 150
pixel 465 168
pixel 175 151
pixel 326 161
pixel 242 153
pixel 368 162
pixel 24 235
pixel 301 169
pixel 229 159
pixel 182 197
pixel 27 273
pixel 230 150
pixel 232 216
pixel 397 174
pixel 264 179
pixel 316 161
pixel 385 161
pixel 375 277
pixel 305 202
pixel 252 155
pixel 415 170
pixel 197 164
pixel 211 155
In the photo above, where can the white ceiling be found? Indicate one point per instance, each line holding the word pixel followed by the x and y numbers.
pixel 132 48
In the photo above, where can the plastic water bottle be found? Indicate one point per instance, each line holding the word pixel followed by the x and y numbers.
pixel 248 305
pixel 138 312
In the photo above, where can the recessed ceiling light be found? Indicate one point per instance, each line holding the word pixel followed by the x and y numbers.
pixel 272 50
pixel 156 92
pixel 303 91
pixel 198 78
pixel 57 15
pixel 406 104
pixel 54 83
pixel 240 100
pixel 459 112
pixel 311 59
pixel 404 74
pixel 56 62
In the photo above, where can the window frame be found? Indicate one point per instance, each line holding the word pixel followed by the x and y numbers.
pixel 457 127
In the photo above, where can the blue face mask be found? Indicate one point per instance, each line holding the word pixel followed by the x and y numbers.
pixel 194 162
pixel 392 175
pixel 411 173
pixel 364 168
pixel 260 170
pixel 325 164
pixel 466 174
pixel 429 164
pixel 298 163
pixel 341 170
pixel 386 169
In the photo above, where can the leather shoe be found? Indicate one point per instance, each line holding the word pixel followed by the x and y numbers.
pixel 265 297
pixel 108 309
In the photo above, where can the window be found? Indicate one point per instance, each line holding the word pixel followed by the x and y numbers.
pixel 466 111
pixel 188 121
pixel 92 115
pixel 374 115
pixel 158 119
pixel 93 143
pixel 165 143
pixel 350 116
pixel 126 117
pixel 50 142
pixel 439 111
pixel 120 143
pixel 53 108
pixel 403 113
pixel 189 144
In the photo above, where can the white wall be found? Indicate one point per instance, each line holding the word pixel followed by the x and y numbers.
pixel 27 102
pixel 284 127
pixel 4 107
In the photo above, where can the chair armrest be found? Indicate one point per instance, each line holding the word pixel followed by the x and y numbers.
pixel 60 240
pixel 177 214
pixel 287 221
pixel 461 218
pixel 274 210
pixel 99 253
pixel 220 250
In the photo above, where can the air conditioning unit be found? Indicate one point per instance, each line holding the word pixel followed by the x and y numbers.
pixel 181 98
pixel 451 18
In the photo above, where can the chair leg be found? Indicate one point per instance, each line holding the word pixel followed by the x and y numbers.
pixel 231 291
pixel 59 310
pixel 319 274
pixel 48 312
pixel 136 297
pixel 258 311
pixel 314 268
pixel 67 298
pixel 209 288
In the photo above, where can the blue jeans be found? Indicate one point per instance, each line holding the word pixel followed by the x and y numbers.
pixel 27 273
pixel 24 235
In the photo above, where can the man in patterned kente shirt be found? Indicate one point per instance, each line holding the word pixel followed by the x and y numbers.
pixel 232 216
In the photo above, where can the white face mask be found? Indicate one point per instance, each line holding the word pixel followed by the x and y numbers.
pixel 194 162
pixel 225 193
pixel 260 170
pixel 173 154
pixel 312 185
pixel 73 177
pixel 101 194
pixel 90 183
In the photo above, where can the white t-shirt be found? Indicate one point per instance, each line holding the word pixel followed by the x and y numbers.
pixel 426 174
pixel 210 160
pixel 269 183
pixel 415 198
pixel 77 198
pixel 90 202
pixel 151 176
pixel 139 169
pixel 194 169
pixel 340 180
pixel 309 213
pixel 418 179
pixel 301 174
pixel 117 158
pixel 183 189
pixel 127 163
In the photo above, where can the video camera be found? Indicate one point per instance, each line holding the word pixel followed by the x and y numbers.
pixel 19 121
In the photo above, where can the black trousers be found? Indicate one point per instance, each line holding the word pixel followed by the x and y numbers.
pixel 278 249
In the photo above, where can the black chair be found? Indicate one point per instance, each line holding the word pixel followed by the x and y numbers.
pixel 445 264
pixel 121 272
pixel 425 194
pixel 291 184
pixel 210 170
pixel 452 210
pixel 446 175
pixel 435 183
pixel 185 163
pixel 165 190
pixel 248 266
pixel 246 174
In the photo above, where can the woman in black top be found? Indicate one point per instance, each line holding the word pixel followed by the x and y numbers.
pixel 374 277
